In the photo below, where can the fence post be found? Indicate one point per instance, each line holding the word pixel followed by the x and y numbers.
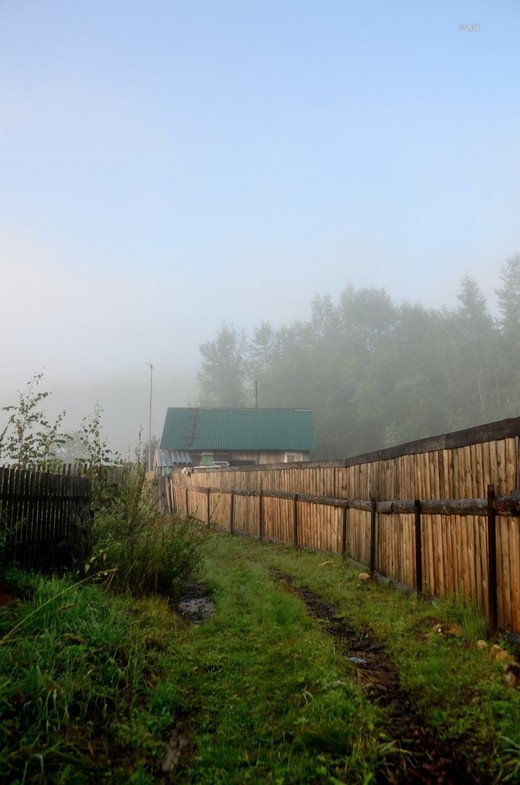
pixel 418 547
pixel 208 504
pixel 232 514
pixel 187 503
pixel 373 538
pixel 344 531
pixel 162 493
pixel 295 520
pixel 172 505
pixel 492 561
pixel 261 522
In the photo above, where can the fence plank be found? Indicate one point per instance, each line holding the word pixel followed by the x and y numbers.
pixel 492 563
pixel 41 516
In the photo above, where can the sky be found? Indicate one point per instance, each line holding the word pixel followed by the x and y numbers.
pixel 170 165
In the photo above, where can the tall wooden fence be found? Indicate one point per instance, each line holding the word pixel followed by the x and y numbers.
pixel 439 514
pixel 44 518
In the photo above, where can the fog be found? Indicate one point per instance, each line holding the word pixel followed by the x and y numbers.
pixel 182 166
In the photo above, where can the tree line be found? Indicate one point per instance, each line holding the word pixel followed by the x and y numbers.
pixel 376 373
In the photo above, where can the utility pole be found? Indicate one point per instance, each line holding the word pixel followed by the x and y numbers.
pixel 150 419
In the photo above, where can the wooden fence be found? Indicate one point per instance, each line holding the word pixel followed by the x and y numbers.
pixel 44 518
pixel 440 515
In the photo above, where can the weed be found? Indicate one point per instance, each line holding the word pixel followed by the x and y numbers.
pixel 136 546
pixel 73 677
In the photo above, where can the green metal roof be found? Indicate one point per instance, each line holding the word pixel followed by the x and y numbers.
pixel 238 429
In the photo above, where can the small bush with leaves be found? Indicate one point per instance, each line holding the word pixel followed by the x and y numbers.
pixel 138 547
pixel 29 438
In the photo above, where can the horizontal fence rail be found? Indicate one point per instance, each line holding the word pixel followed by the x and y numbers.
pixel 508 504
pixel 45 518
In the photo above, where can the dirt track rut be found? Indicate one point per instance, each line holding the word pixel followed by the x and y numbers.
pixel 422 758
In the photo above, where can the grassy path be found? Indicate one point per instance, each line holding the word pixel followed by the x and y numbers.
pixel 264 694
pixel 96 689
pixel 260 680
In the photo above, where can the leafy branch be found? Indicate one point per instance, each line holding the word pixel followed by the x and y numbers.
pixel 30 438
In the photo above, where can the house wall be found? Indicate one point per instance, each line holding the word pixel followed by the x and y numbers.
pixel 252 457
pixel 267 457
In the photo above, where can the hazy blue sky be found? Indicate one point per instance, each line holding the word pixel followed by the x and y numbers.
pixel 167 166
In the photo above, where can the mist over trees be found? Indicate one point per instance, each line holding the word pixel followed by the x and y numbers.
pixel 376 373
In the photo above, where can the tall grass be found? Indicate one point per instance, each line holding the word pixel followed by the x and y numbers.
pixel 139 547
pixel 76 666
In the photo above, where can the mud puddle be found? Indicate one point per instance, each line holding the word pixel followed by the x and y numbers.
pixel 195 604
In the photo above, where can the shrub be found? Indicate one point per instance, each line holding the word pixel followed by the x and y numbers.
pixel 138 547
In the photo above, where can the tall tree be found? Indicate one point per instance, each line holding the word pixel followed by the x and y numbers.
pixel 263 349
pixel 411 376
pixel 223 374
pixel 377 374
pixel 508 299
pixel 475 357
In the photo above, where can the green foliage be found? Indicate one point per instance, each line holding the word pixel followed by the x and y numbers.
pixel 30 438
pixel 97 451
pixel 99 462
pixel 222 377
pixel 508 297
pixel 137 546
pixel 262 351
pixel 76 666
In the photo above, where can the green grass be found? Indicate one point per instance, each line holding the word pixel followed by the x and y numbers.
pixel 93 685
pixel 306 692
pixel 76 667
pixel 266 692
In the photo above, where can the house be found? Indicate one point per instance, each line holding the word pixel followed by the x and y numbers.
pixel 238 436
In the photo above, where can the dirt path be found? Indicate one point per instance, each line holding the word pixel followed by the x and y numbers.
pixel 421 758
